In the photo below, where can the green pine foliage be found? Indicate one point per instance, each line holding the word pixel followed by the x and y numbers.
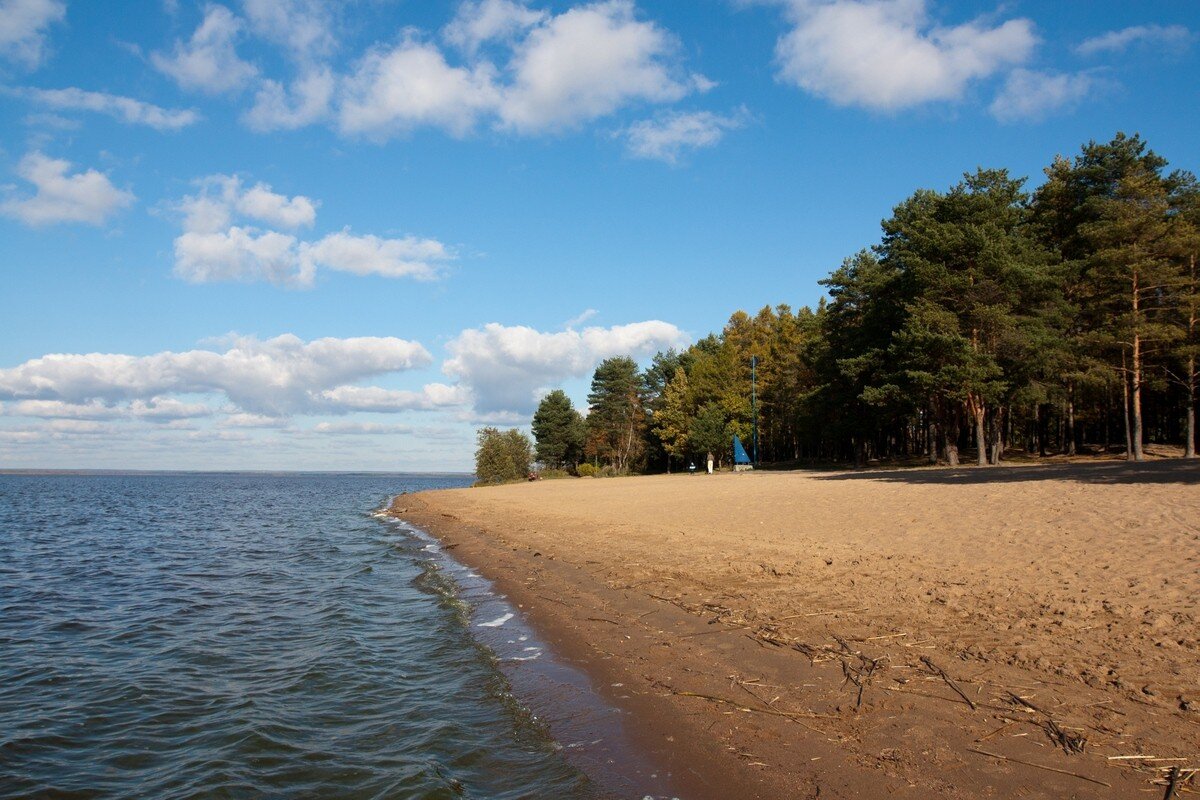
pixel 559 431
pixel 988 319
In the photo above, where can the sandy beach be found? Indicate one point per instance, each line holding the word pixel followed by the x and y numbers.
pixel 1014 632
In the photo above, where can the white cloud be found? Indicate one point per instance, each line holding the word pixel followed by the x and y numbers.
pixel 88 197
pixel 213 248
pixel 411 85
pixel 158 409
pixel 126 109
pixel 409 257
pixel 305 27
pixel 477 23
pixel 345 399
pixel 208 62
pixel 1030 95
pixel 887 55
pixel 1116 41
pixel 564 69
pixel 587 62
pixel 305 102
pixel 270 377
pixel 22 28
pixel 666 137
pixel 241 254
pixel 506 368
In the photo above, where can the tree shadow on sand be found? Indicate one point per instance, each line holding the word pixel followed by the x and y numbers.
pixel 1108 472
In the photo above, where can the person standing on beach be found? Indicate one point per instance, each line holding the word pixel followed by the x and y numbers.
pixel 710 462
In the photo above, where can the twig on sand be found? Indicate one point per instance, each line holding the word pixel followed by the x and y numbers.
pixel 949 681
pixel 1071 743
pixel 1039 766
pixel 743 707
pixel 602 619
pixel 1172 783
pixel 822 613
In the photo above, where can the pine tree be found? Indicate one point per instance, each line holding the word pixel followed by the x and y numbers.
pixel 616 421
pixel 558 430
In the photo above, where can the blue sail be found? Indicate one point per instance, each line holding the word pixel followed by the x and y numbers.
pixel 739 452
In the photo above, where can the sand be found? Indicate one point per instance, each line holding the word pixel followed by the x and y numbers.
pixel 1012 632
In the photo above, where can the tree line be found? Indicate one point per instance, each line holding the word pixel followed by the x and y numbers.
pixel 987 318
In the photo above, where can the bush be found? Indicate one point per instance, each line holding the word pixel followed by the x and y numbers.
pixel 586 470
pixel 554 474
pixel 502 456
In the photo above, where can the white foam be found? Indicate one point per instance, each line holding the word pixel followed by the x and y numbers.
pixel 496 623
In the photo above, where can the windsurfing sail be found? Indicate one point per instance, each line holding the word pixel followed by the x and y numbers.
pixel 739 453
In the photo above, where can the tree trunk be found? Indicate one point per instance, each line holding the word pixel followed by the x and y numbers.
pixel 1069 448
pixel 950 442
pixel 978 411
pixel 1189 441
pixel 1136 376
pixel 1125 408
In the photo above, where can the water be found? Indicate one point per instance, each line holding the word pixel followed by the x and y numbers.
pixel 248 636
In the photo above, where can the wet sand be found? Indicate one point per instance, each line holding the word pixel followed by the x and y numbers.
pixel 1013 632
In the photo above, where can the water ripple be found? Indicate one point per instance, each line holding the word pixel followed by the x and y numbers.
pixel 215 636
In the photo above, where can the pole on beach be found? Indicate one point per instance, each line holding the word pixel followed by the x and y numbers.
pixel 754 402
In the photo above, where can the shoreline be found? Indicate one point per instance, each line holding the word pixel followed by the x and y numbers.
pixel 588 730
pixel 737 698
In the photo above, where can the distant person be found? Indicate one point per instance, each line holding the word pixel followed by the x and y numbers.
pixel 710 463
pixel 692 467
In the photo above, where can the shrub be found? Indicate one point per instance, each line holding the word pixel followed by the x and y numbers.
pixel 586 470
pixel 502 456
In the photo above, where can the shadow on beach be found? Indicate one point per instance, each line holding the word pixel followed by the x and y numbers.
pixel 1121 472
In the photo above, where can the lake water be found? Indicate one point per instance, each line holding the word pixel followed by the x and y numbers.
pixel 248 636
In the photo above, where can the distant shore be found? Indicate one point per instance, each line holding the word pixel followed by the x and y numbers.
pixel 963 633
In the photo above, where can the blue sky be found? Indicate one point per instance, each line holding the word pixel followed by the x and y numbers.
pixel 308 234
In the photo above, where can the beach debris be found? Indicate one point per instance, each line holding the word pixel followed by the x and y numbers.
pixel 927 661
pixel 990 754
pixel 1071 743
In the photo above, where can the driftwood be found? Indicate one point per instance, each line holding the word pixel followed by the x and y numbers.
pixel 1071 743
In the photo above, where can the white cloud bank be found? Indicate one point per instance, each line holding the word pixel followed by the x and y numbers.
pixel 508 368
pixel 23 26
pixel 87 197
pixel 1116 41
pixel 221 242
pixel 522 70
pixel 888 55
pixel 271 377
pixel 125 109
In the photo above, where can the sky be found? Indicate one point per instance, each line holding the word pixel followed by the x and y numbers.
pixel 308 234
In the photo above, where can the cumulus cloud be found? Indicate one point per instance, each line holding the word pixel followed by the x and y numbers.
pixel 88 197
pixel 125 109
pixel 507 368
pixel 586 63
pixel 345 399
pixel 1116 41
pixel 305 27
pixel 392 91
pixel 482 21
pixel 668 136
pixel 208 62
pixel 219 243
pixel 888 55
pixel 23 25
pixel 271 377
pixel 562 70
pixel 1032 96
pixel 306 101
